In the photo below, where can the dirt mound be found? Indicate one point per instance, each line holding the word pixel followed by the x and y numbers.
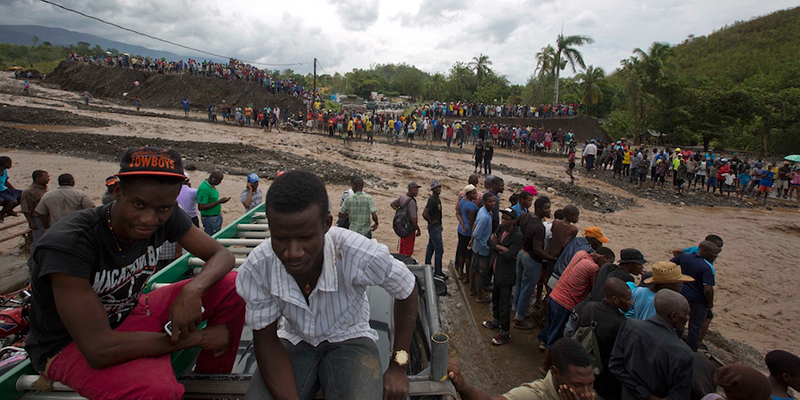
pixel 235 159
pixel 44 116
pixel 166 91
pixel 585 128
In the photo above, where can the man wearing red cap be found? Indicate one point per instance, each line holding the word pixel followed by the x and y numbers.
pixel 92 329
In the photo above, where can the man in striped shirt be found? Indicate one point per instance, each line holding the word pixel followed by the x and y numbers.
pixel 572 288
pixel 305 290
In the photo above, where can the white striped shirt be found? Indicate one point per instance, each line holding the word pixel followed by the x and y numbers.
pixel 337 309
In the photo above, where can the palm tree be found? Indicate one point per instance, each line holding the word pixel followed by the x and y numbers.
pixel 566 53
pixel 545 61
pixel 436 86
pixel 591 81
pixel 481 65
pixel 656 60
pixel 460 78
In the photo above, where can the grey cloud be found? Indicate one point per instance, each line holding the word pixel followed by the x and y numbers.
pixel 433 11
pixel 586 19
pixel 356 15
pixel 277 39
pixel 497 29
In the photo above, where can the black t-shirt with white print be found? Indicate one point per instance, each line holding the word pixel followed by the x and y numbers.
pixel 81 245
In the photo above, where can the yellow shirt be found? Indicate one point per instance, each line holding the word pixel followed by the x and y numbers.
pixel 350 125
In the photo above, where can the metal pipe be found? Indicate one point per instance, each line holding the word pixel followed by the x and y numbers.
pixel 253 234
pixel 439 344
pixel 240 242
pixel 253 227
pixel 430 296
pixel 240 250
pixel 198 262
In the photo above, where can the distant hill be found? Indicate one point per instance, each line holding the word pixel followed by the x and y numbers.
pixel 23 35
pixel 761 53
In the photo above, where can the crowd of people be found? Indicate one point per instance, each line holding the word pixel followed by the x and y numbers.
pixel 698 171
pixel 609 327
pixel 631 333
pixel 233 70
pixel 439 109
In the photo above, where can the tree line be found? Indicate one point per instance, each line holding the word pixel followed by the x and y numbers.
pixel 737 88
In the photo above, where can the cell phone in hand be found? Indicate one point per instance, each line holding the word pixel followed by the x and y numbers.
pixel 168 325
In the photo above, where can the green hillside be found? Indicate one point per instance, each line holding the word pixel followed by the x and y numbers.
pixel 762 53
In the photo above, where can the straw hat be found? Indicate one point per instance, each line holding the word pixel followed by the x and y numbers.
pixel 667 272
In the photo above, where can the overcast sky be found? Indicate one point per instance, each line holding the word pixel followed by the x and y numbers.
pixel 431 34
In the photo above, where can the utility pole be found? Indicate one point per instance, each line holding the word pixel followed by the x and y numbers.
pixel 315 79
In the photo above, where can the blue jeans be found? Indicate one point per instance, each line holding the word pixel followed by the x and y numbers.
pixel 346 370
pixel 528 271
pixel 212 224
pixel 435 247
pixel 557 318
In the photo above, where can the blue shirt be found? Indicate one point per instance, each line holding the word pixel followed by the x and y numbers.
pixel 466 206
pixel 744 179
pixel 696 267
pixel 576 245
pixel 518 208
pixel 482 232
pixel 643 306
pixel 767 178
pixel 3 179
pixel 696 250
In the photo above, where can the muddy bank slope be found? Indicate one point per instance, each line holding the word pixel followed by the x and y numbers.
pixel 159 90
pixel 231 158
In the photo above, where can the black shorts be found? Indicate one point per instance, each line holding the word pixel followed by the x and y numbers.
pixel 463 242
pixel 572 165
pixel 480 264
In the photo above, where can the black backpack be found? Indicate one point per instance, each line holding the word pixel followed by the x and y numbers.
pixel 402 224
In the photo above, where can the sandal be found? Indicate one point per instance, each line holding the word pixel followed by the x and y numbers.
pixel 485 299
pixel 490 325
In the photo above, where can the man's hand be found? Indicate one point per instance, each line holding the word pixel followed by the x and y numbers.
pixel 395 382
pixel 454 373
pixel 419 232
pixel 224 200
pixel 567 393
pixel 374 227
pixel 463 227
pixel 500 249
pixel 215 338
pixel 185 313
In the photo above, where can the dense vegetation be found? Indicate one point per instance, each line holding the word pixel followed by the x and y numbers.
pixel 737 88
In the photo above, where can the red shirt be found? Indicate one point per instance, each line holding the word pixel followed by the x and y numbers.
pixel 576 282
pixel 724 169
